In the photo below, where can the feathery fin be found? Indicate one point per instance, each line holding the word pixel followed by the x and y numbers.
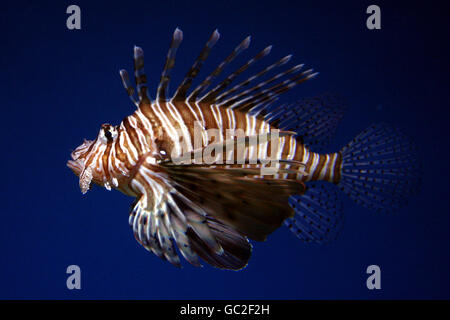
pixel 253 98
pixel 170 63
pixel 318 213
pixel 210 97
pixel 252 206
pixel 274 91
pixel 180 93
pixel 237 249
pixel 248 94
pixel 128 86
pixel 139 74
pixel 241 47
pixel 245 83
pixel 314 119
pixel 380 169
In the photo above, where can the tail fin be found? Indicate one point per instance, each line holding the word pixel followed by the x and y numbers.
pixel 380 169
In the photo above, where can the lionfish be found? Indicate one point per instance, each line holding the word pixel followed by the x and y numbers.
pixel 211 210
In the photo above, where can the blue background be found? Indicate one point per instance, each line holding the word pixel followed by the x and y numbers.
pixel 58 86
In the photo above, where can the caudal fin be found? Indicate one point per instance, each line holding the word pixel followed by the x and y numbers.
pixel 380 169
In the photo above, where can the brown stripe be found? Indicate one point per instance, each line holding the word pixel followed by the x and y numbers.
pixel 225 120
pixel 240 120
pixel 287 150
pixel 337 168
pixel 210 122
pixel 170 115
pixel 91 155
pixel 86 153
pixel 188 116
pixel 140 125
pixel 114 157
pixel 329 165
pixel 147 111
pixel 132 135
pixel 319 166
pixel 308 165
pixel 121 155
pixel 105 157
pixel 300 150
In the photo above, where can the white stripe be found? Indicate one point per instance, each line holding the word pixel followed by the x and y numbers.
pixel 141 136
pixel 323 172
pixel 314 163
pixel 335 156
pixel 305 158
pixel 204 133
pixel 146 123
pixel 184 129
pixel 168 127
pixel 122 138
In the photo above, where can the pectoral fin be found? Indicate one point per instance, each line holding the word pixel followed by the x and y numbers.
pixel 85 179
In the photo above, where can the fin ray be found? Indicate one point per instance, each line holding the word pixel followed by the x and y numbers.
pixel 180 93
pixel 170 63
pixel 380 168
pixel 218 70
pixel 212 94
pixel 318 213
pixel 314 119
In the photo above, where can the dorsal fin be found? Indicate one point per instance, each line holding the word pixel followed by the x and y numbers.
pixel 200 88
pixel 257 97
pixel 245 83
pixel 314 119
pixel 170 63
pixel 248 94
pixel 180 93
pixel 139 77
pixel 211 96
pixel 139 73
pixel 267 94
pixel 128 86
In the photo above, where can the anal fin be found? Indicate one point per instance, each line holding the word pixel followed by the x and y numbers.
pixel 318 213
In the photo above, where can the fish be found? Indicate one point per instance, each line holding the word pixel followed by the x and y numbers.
pixel 212 169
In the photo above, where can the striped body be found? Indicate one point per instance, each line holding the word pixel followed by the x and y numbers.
pixel 155 131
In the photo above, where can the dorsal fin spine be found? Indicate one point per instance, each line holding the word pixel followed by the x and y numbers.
pixel 180 93
pixel 244 83
pixel 170 63
pixel 211 95
pixel 276 90
pixel 128 86
pixel 247 94
pixel 139 73
pixel 217 71
pixel 254 99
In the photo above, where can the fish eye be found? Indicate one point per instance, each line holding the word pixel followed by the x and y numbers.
pixel 108 133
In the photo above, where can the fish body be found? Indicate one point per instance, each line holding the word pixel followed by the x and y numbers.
pixel 213 168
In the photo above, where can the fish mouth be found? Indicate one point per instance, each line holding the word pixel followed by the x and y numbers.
pixel 76 164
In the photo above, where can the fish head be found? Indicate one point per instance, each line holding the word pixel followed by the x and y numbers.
pixel 87 159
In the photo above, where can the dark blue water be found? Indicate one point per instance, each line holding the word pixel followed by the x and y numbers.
pixel 58 86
